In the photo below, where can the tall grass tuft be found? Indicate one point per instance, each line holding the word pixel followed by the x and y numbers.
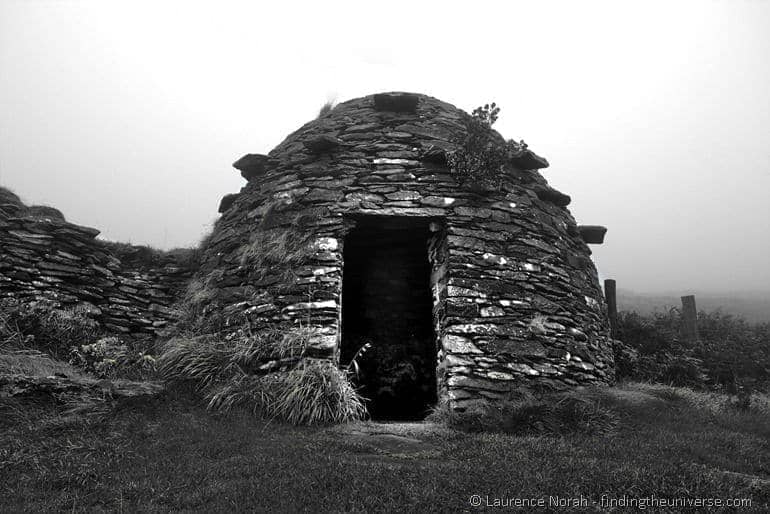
pixel 197 313
pixel 326 108
pixel 267 372
pixel 313 392
pixel 206 360
pixel 277 247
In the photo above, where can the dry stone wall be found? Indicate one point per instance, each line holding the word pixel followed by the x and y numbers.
pixel 517 297
pixel 49 258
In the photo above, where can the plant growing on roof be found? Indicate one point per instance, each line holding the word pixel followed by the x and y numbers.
pixel 480 158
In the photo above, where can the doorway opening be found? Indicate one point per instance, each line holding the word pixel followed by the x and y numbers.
pixel 387 302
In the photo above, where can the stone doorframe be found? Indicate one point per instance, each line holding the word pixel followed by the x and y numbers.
pixel 438 257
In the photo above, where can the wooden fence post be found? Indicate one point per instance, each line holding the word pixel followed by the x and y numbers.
pixel 612 306
pixel 689 318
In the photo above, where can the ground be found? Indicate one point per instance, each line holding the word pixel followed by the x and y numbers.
pixel 171 455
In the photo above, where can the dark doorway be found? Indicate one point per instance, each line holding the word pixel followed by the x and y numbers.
pixel 386 301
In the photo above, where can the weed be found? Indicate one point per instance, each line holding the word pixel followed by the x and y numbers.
pixel 326 108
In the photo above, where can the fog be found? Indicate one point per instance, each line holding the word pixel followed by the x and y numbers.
pixel 655 116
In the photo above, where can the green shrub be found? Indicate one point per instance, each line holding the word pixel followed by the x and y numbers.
pixel 45 326
pixel 626 359
pixel 481 155
pixel 730 354
pixel 71 336
pixel 682 370
pixel 111 357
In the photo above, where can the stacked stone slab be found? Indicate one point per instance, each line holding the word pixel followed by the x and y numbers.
pixel 517 301
pixel 49 258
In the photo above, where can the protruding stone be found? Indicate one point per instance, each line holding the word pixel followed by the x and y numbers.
pixel 396 102
pixel 251 165
pixel 227 202
pixel 549 194
pixel 435 155
pixel 529 160
pixel 592 234
pixel 322 143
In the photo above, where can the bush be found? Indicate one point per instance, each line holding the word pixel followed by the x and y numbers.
pixel 626 358
pixel 111 357
pixel 70 335
pixel 730 354
pixel 481 154
pixel 45 326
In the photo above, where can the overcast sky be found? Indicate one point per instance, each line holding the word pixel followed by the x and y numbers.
pixel 655 116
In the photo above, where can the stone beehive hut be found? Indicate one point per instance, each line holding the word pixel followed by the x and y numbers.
pixel 356 228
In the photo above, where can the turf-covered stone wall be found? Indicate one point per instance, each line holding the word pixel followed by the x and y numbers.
pixel 49 258
pixel 516 298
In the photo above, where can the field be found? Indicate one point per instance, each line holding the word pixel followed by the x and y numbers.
pixel 171 455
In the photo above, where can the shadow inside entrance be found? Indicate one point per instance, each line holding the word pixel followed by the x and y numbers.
pixel 386 301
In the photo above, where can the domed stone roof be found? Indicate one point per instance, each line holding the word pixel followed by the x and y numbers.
pixel 356 226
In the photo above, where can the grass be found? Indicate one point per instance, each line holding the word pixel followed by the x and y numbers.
pixel 31 362
pixel 42 325
pixel 326 108
pixel 274 249
pixel 148 256
pixel 174 456
pixel 314 392
pixel 266 372
pixel 205 360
